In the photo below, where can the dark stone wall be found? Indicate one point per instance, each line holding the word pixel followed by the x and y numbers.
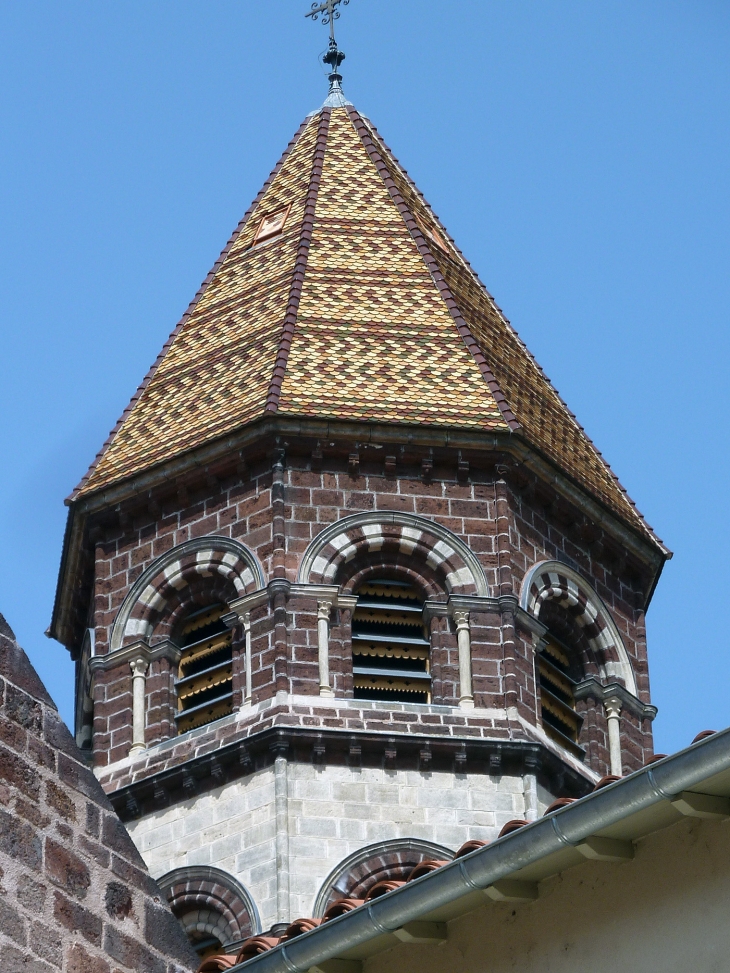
pixel 75 894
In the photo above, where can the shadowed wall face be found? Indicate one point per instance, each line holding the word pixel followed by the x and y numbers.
pixel 664 910
pixel 75 894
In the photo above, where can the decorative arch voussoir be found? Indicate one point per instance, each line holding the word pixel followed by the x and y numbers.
pixel 384 861
pixel 215 562
pixel 418 574
pixel 395 535
pixel 209 899
pixel 552 581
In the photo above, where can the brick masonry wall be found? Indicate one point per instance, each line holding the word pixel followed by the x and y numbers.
pixel 536 535
pixel 507 539
pixel 333 811
pixel 75 895
pixel 402 726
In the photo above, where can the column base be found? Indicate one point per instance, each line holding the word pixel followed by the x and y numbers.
pixel 466 702
pixel 326 691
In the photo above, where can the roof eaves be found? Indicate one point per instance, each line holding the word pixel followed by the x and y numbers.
pixel 563 829
pixel 64 594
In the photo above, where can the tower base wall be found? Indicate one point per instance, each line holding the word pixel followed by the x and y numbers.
pixel 284 838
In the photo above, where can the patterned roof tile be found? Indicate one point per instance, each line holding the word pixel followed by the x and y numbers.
pixel 372 331
pixel 362 308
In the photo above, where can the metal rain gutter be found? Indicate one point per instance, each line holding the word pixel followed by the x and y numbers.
pixel 567 827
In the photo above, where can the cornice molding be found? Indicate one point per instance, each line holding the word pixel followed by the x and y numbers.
pixel 364 432
pixel 320 592
pixel 239 758
pixel 592 688
pixel 477 603
pixel 649 551
pixel 137 650
pixel 247 603
pixel 471 603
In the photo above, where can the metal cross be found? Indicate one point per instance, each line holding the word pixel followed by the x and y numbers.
pixel 334 56
pixel 330 14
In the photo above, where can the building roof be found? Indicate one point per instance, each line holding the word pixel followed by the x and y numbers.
pixel 602 826
pixel 360 309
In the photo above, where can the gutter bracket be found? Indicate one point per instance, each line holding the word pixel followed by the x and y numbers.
pixel 337 966
pixel 512 890
pixel 429 933
pixel 707 806
pixel 605 849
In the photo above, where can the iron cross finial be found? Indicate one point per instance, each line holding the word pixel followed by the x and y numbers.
pixel 334 56
pixel 329 12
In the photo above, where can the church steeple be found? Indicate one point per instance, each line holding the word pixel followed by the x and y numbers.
pixel 347 567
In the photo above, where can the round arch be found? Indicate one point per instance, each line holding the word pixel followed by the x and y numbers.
pixel 393 859
pixel 174 570
pixel 441 549
pixel 209 900
pixel 554 581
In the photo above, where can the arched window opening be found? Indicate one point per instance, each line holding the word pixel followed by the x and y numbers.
pixel 201 928
pixel 556 676
pixel 390 644
pixel 391 860
pixel 205 677
pixel 216 912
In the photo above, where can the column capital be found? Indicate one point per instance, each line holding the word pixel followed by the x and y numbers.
pixel 324 610
pixel 139 666
pixel 461 620
pixel 613 706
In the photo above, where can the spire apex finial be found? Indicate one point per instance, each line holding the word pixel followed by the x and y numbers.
pixel 334 56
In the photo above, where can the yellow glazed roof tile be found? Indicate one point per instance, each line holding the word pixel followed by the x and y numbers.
pixel 374 339
pixel 361 309
pixel 544 418
pixel 214 374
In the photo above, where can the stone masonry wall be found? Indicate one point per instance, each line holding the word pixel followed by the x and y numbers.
pixel 333 811
pixel 75 896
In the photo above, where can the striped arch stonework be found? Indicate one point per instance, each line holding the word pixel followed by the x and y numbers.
pixel 385 861
pixel 209 901
pixel 554 581
pixel 225 567
pixel 394 536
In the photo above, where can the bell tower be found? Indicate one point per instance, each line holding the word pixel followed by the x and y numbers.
pixel 348 586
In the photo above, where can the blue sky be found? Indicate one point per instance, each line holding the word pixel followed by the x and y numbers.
pixel 576 150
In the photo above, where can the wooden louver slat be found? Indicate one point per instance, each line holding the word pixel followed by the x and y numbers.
pixel 390 650
pixel 205 675
pixel 559 716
